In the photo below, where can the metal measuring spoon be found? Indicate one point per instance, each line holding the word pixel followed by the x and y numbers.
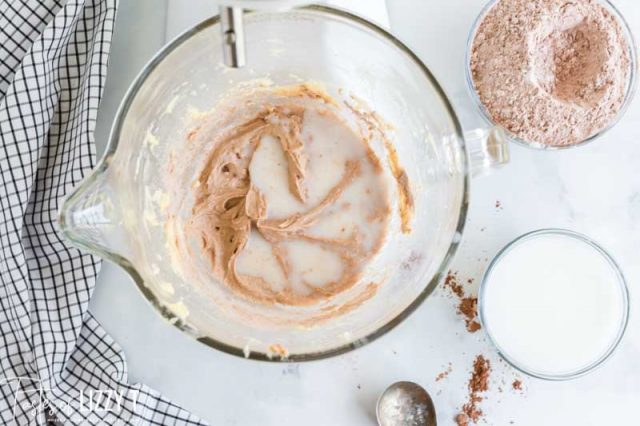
pixel 405 404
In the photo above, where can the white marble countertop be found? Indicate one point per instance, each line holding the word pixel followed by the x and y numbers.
pixel 593 189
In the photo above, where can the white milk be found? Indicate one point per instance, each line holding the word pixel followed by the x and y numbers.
pixel 553 304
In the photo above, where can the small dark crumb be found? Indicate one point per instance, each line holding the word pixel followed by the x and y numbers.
pixel 473 326
pixel 444 373
pixel 462 419
pixel 359 387
pixel 498 204
pixel 517 385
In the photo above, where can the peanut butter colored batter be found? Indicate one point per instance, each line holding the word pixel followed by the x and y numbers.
pixel 290 202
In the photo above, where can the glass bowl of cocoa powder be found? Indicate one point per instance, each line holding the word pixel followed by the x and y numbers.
pixel 553 75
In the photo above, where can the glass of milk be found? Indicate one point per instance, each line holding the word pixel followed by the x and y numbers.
pixel 554 304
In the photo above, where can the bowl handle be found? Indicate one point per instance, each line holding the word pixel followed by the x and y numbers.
pixel 488 149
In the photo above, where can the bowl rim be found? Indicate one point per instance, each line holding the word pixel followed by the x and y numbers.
pixel 622 283
pixel 484 112
pixel 103 165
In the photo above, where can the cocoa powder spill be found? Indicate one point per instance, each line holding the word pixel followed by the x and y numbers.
pixel 468 305
pixel 451 281
pixel 445 373
pixel 478 384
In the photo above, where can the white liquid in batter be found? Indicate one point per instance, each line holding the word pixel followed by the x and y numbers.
pixel 311 260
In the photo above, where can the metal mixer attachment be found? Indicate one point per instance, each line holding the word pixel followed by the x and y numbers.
pixel 232 36
pixel 231 12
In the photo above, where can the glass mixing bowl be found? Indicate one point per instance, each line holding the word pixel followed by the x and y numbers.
pixel 108 214
pixel 631 86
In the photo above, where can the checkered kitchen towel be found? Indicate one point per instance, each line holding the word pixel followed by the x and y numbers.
pixel 57 365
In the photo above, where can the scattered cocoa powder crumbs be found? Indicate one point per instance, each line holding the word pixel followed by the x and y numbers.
pixel 478 383
pixel 517 385
pixel 468 307
pixel 445 373
pixel 451 281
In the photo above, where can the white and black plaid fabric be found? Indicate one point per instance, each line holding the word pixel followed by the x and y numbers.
pixel 57 365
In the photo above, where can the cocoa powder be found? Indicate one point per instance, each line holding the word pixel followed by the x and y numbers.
pixel 444 373
pixel 468 305
pixel 553 72
pixel 478 384
pixel 468 308
pixel 451 281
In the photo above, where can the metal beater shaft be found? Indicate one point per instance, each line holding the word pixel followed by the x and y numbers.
pixel 232 36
